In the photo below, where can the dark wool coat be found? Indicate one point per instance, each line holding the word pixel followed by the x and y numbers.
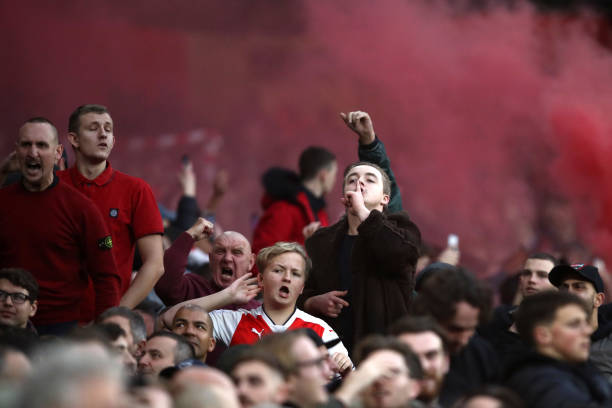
pixel 383 264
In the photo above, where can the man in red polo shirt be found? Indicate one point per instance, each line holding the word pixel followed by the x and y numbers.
pixel 127 203
pixel 56 233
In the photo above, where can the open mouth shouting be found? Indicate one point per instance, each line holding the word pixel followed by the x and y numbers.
pixel 284 292
pixel 33 167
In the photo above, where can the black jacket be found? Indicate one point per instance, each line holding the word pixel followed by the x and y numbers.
pixel 545 382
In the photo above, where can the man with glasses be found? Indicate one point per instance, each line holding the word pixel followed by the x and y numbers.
pixel 18 294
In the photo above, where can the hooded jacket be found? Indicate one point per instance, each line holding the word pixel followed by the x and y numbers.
pixel 288 207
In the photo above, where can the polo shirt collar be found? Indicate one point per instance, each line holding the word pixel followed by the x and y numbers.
pixel 101 180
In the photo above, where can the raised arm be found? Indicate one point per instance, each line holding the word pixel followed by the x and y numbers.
pixel 242 290
pixel 372 150
pixel 175 286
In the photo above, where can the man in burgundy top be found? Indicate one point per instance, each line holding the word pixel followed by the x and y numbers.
pixel 55 232
pixel 126 203
pixel 231 258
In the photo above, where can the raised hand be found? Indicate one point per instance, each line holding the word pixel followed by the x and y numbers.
pixel 360 123
pixel 244 289
pixel 201 229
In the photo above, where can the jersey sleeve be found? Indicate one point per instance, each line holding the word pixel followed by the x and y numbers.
pixel 328 335
pixel 225 323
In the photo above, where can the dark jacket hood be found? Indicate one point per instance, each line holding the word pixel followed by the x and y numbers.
pixel 285 185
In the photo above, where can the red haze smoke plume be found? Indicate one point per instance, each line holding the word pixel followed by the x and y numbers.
pixel 483 113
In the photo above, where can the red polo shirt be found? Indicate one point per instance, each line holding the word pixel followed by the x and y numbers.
pixel 128 207
pixel 59 236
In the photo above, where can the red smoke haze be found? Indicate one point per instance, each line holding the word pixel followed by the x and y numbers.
pixel 481 113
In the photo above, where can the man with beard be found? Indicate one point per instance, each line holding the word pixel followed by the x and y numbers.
pixel 193 322
pixel 459 302
pixel 585 282
pixel 428 341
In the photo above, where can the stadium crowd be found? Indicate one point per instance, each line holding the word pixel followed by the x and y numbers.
pixel 106 300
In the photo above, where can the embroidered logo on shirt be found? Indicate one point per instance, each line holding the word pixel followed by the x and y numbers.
pixel 105 243
pixel 114 212
pixel 257 333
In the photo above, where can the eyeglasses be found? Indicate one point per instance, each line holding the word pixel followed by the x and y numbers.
pixel 16 297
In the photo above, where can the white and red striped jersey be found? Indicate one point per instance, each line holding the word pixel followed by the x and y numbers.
pixel 242 326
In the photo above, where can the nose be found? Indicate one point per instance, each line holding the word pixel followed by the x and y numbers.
pixel 287 276
pixel 189 330
pixel 144 361
pixel 7 299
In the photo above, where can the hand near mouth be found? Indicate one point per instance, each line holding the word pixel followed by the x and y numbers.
pixel 243 289
pixel 355 205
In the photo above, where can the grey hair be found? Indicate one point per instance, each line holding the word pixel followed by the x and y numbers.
pixel 137 324
pixel 59 373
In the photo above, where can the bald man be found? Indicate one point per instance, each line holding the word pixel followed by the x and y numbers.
pixel 230 258
pixel 55 232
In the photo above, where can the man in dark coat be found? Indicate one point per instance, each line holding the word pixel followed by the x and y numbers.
pixel 555 372
pixel 363 266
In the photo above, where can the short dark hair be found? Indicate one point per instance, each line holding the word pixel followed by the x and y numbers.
pixel 75 117
pixel 541 309
pixel 257 354
pixel 42 119
pixel 444 289
pixel 385 177
pixel 22 278
pixel 197 308
pixel 137 324
pixel 183 350
pixel 544 256
pixel 376 342
pixel 505 396
pixel 112 330
pixel 419 324
pixel 313 159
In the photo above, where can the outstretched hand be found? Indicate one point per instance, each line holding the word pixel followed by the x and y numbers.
pixel 329 304
pixel 244 289
pixel 360 123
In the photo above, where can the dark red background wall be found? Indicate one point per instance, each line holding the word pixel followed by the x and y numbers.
pixel 480 111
